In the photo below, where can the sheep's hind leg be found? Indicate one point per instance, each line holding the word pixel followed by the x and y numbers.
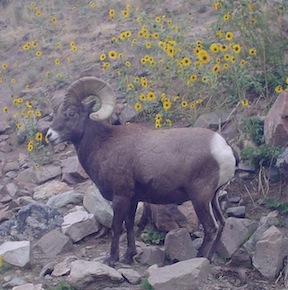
pixel 129 224
pixel 207 218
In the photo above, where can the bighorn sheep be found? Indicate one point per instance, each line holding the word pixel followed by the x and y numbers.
pixel 131 163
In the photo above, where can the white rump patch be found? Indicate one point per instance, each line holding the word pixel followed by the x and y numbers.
pixel 223 154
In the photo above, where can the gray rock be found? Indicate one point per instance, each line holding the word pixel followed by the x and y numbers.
pixel 46 172
pixel 11 166
pixel 235 233
pixel 29 286
pixel 54 243
pixel 184 275
pixel 62 199
pixel 236 211
pixel 49 189
pixel 213 120
pixel 96 204
pixel 79 224
pixel 16 253
pixel 270 252
pixel 276 122
pixel 132 276
pixel 178 246
pixel 72 171
pixel 15 281
pixel 32 221
pixel 264 224
pixel 152 255
pixel 93 275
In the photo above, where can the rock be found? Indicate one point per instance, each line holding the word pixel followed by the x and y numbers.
pixel 62 199
pixel 90 275
pixel 178 246
pixel 170 217
pixel 11 166
pixel 32 221
pixel 96 204
pixel 29 286
pixel 54 243
pixel 270 252
pixel 213 120
pixel 184 275
pixel 236 211
pixel 264 224
pixel 16 253
pixel 132 276
pixel 63 268
pixel 4 126
pixel 276 122
pixel 72 171
pixel 15 281
pixel 39 175
pixel 49 189
pixel 241 258
pixel 79 224
pixel 235 233
pixel 282 163
pixel 152 255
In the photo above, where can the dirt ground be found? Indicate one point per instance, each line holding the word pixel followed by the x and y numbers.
pixel 17 27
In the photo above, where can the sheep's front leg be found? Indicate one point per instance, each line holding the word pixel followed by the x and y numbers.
pixel 121 206
pixel 129 225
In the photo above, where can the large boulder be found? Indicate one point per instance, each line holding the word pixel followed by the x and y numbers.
pixel 276 122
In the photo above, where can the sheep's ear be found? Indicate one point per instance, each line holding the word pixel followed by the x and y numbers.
pixel 88 106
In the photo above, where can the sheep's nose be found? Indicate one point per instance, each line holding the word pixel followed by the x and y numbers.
pixel 48 134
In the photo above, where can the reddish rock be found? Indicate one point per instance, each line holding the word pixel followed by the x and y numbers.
pixel 276 122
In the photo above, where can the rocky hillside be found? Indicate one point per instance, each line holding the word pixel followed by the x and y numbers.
pixel 54 225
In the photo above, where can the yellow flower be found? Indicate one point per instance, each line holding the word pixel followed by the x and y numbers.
pixel 286 80
pixel 102 56
pixel 13 81
pixel 4 66
pixel 37 113
pixel 148 44
pixel 278 89
pixel 142 97
pixel 242 62
pixel 127 63
pixel 215 68
pixel 26 46
pixel 38 136
pixel 157 124
pixel 112 54
pixel 166 105
pixel 226 17
pixel 73 48
pixel 229 36
pixel 53 19
pixel 150 96
pixel 37 12
pixel 244 103
pixel 204 79
pixel 252 51
pixel 158 117
pixel 168 122
pixel 57 61
pixel 236 48
pixel 184 104
pixel 30 146
pixel 111 13
pixel 203 56
pixel 38 53
pixel 92 4
pixel 223 47
pixel 193 77
pixel 28 105
pixel 5 109
pixel 214 47
pixel 185 61
pixel 19 126
pixel 125 13
pixel 137 106
pixel 158 19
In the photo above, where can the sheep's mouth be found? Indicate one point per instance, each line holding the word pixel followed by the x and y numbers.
pixel 53 137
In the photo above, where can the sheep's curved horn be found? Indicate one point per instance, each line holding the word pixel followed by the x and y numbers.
pixel 92 86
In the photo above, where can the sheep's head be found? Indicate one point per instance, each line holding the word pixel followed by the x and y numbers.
pixel 70 113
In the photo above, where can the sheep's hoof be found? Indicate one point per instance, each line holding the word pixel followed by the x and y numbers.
pixel 110 262
pixel 127 259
